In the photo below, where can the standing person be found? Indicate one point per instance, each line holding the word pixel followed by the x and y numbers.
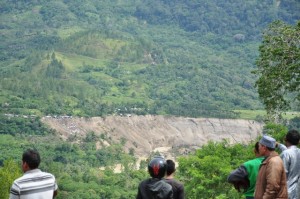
pixel 245 176
pixel 271 179
pixel 155 187
pixel 34 184
pixel 298 189
pixel 178 188
pixel 291 160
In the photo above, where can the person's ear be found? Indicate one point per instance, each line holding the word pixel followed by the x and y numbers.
pixel 25 166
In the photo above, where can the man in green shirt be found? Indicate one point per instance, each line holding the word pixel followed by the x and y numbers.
pixel 244 177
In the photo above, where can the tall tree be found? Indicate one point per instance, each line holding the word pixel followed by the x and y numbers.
pixel 279 67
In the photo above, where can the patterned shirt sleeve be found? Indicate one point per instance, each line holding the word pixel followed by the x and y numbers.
pixel 14 192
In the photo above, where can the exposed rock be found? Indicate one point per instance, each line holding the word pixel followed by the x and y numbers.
pixel 146 134
pixel 239 37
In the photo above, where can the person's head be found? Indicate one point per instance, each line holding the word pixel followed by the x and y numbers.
pixel 30 160
pixel 157 167
pixel 266 145
pixel 170 167
pixel 292 137
pixel 256 149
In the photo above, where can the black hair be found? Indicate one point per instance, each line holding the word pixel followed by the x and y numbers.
pixel 270 149
pixel 170 167
pixel 256 147
pixel 32 158
pixel 292 137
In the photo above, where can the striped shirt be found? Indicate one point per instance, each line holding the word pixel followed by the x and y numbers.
pixel 34 184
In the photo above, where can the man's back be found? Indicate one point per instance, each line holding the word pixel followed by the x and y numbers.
pixel 291 160
pixel 178 188
pixel 154 188
pixel 34 184
pixel 252 167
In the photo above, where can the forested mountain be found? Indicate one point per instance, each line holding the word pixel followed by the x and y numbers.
pixel 90 58
pixel 93 58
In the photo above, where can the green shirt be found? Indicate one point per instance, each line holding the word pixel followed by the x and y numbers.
pixel 252 167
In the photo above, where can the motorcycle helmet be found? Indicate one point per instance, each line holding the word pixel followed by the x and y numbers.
pixel 157 167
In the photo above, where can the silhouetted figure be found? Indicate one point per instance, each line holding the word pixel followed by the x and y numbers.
pixel 178 188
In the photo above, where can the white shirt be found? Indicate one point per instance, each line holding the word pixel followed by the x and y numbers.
pixel 34 184
pixel 291 160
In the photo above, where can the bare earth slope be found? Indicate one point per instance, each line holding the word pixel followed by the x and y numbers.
pixel 146 134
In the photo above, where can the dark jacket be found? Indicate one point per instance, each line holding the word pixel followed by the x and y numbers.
pixel 154 188
pixel 178 188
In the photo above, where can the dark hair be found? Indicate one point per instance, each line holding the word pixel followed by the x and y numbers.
pixel 270 149
pixel 170 167
pixel 32 158
pixel 292 137
pixel 256 147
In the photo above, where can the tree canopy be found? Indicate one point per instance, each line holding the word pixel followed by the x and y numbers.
pixel 279 67
pixel 184 58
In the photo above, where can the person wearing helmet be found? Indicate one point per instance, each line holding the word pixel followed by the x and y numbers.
pixel 155 187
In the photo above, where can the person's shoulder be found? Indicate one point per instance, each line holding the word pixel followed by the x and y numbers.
pixel 46 174
pixel 257 160
pixel 275 159
pixel 167 185
pixel 145 181
pixel 290 151
pixel 261 158
pixel 174 182
pixel 33 175
pixel 179 184
pixel 169 180
pixel 287 151
pixel 20 179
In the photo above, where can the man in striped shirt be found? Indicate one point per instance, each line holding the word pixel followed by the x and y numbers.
pixel 34 184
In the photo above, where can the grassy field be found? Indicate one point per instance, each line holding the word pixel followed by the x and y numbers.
pixel 253 114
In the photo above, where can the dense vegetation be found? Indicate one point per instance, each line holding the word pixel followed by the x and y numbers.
pixel 279 67
pixel 93 58
pixel 78 165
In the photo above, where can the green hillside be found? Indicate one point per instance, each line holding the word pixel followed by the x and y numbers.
pixel 93 58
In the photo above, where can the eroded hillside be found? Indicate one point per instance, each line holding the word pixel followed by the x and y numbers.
pixel 166 134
